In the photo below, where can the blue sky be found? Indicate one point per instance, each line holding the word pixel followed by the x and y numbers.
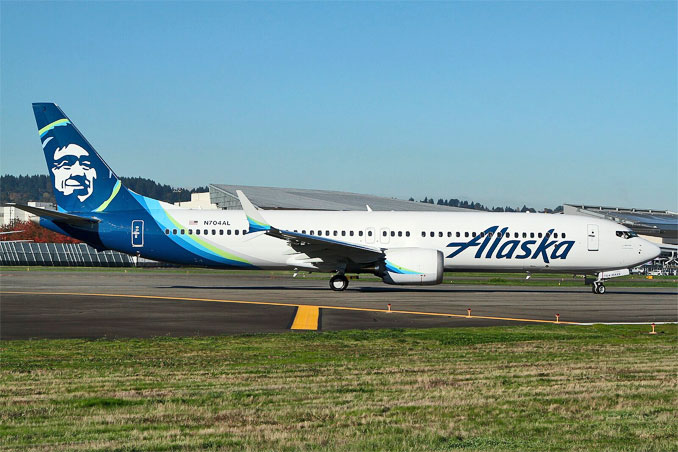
pixel 502 103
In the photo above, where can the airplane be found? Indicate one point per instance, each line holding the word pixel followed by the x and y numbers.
pixel 402 248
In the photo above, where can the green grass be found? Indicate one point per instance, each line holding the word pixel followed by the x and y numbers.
pixel 531 388
pixel 465 278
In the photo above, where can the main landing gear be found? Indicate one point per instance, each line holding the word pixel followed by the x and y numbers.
pixel 338 282
pixel 598 287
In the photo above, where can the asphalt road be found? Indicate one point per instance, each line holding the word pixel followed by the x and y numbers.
pixel 43 304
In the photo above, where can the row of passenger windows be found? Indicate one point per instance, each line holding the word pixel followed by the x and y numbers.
pixel 384 233
pixel 205 231
pixel 370 233
pixel 499 234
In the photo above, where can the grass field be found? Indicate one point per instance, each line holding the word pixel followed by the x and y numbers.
pixel 464 278
pixel 531 388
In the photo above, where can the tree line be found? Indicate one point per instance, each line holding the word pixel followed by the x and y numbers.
pixel 21 189
pixel 454 202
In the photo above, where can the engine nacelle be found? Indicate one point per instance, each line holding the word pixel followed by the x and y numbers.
pixel 420 266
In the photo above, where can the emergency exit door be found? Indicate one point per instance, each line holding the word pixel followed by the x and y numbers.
pixel 592 237
pixel 138 233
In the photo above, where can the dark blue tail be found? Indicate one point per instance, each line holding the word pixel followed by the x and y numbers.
pixel 81 179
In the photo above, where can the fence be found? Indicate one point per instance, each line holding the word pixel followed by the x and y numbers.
pixel 63 255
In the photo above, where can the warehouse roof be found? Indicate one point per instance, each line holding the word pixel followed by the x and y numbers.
pixel 304 199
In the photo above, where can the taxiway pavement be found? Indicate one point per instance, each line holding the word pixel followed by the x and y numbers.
pixel 56 304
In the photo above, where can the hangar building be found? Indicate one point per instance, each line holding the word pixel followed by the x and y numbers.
pixel 225 197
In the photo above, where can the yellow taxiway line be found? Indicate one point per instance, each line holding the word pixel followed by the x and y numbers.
pixel 306 318
pixel 272 303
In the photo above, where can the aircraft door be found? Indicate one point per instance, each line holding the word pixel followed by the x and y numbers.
pixel 592 237
pixel 138 233
pixel 369 235
pixel 385 237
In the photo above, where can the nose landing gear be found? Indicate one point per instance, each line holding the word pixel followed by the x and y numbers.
pixel 338 282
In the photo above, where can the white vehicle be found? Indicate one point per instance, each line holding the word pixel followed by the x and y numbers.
pixel 399 247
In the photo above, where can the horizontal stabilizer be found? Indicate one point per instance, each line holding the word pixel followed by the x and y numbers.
pixel 53 215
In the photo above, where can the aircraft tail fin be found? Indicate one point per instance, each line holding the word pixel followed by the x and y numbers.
pixel 82 181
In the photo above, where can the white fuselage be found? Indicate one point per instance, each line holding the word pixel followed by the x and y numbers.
pixel 518 241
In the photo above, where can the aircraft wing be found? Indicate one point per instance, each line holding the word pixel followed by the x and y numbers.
pixel 311 245
pixel 53 215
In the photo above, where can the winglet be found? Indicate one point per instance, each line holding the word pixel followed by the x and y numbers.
pixel 254 217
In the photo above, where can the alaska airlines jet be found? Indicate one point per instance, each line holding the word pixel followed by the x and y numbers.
pixel 399 247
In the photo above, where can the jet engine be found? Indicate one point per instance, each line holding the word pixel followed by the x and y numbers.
pixel 420 266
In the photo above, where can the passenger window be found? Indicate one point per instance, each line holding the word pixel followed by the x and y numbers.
pixel 423 234
pixel 539 235
pixel 197 232
pixel 327 233
pixel 343 233
pixel 303 231
pixel 449 234
pixel 214 232
pixel 490 234
pixel 499 234
pixel 182 231
pixel 336 233
pixel 440 233
pixel 458 234
pixel 392 233
pixel 174 231
pixel 310 232
pixel 350 233
pixel 320 233
pixel 400 233
pixel 524 235
pixel 228 232
pixel 369 233
pixel 531 235
pixel 432 234
pixel 465 234
pixel 166 231
pixel 383 233
pixel 555 235
pixel 562 235
pixel 237 232
pixel 548 234
pixel 473 234
pixel 206 232
pixel 515 235
pixel 407 233
pixel 482 234
pixel 221 232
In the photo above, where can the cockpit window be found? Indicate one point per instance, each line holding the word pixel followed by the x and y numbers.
pixel 626 234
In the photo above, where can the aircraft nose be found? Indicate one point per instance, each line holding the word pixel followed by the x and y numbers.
pixel 653 250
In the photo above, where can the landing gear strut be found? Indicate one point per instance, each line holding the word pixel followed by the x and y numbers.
pixel 339 282
pixel 598 287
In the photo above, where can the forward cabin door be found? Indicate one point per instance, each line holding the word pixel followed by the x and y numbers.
pixel 592 237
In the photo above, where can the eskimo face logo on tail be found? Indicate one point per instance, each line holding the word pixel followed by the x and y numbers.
pixel 490 242
pixel 73 171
